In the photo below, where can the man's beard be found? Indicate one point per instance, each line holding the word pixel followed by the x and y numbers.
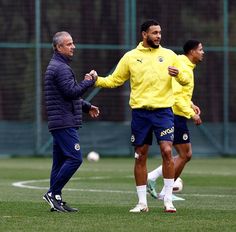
pixel 152 44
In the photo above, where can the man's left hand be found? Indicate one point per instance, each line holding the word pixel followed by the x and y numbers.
pixel 173 71
pixel 94 111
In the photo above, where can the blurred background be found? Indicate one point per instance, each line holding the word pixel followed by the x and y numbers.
pixel 103 31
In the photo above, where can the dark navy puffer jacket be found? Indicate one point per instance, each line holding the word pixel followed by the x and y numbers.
pixel 63 94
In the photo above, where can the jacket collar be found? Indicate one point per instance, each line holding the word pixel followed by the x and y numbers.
pixel 142 48
pixel 61 57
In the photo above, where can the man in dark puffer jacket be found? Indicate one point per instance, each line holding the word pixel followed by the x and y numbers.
pixel 64 109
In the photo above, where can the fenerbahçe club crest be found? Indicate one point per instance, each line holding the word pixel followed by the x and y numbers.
pixel 160 58
pixel 77 147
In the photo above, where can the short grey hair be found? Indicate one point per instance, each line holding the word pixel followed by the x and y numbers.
pixel 58 37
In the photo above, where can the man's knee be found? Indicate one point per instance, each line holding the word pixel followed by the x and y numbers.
pixel 166 151
pixel 188 156
pixel 185 156
pixel 77 160
pixel 141 152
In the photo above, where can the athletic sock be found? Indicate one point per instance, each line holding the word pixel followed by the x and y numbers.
pixel 142 194
pixel 168 185
pixel 153 175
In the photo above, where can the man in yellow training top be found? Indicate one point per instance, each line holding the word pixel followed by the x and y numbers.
pixel 150 69
pixel 183 109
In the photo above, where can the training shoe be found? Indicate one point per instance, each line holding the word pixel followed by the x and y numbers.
pixel 139 208
pixel 174 198
pixel 151 188
pixel 68 208
pixel 160 197
pixel 54 201
pixel 169 207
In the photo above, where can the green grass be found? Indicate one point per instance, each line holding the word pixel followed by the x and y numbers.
pixel 105 191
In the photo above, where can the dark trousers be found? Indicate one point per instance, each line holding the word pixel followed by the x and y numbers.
pixel 67 158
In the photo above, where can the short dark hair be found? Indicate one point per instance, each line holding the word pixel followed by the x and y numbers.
pixel 189 45
pixel 145 25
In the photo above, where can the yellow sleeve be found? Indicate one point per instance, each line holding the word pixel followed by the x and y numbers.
pixel 182 104
pixel 183 110
pixel 182 78
pixel 118 77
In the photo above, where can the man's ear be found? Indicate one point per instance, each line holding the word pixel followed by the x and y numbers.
pixel 192 51
pixel 144 34
pixel 58 47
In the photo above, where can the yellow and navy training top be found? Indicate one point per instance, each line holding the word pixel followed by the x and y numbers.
pixel 147 70
pixel 183 93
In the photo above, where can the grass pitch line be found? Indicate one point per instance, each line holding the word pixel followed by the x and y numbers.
pixel 29 184
pixel 26 184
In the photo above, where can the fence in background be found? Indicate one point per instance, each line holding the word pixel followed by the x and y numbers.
pixel 104 31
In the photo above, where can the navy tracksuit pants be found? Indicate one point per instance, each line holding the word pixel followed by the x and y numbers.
pixel 67 158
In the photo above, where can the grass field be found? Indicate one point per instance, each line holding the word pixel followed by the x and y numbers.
pixel 105 191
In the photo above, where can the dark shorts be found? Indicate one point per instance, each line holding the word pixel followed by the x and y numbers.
pixel 145 122
pixel 181 134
